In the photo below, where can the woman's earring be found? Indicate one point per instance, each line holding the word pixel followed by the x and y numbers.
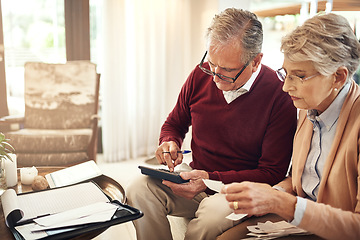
pixel 335 89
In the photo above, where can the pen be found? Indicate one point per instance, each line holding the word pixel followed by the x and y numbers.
pixel 183 152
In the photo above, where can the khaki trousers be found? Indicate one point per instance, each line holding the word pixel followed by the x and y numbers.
pixel 156 201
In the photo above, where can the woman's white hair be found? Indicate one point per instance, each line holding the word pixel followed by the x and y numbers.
pixel 326 40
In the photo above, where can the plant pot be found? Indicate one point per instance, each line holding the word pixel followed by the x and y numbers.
pixel 3 186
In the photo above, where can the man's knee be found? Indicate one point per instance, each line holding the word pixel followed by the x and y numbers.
pixel 210 218
pixel 215 205
pixel 137 189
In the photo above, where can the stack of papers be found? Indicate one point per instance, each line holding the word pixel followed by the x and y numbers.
pixel 94 213
pixel 97 212
pixel 270 230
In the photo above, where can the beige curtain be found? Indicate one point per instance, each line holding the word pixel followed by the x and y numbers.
pixel 148 53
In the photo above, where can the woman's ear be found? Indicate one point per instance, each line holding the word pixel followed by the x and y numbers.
pixel 340 77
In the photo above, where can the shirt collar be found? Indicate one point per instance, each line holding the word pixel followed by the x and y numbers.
pixel 250 82
pixel 331 114
pixel 233 94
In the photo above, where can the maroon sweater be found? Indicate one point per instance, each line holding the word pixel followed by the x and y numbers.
pixel 249 139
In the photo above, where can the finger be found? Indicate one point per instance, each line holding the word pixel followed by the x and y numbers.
pixel 178 160
pixel 168 161
pixel 166 183
pixel 185 175
pixel 224 189
pixel 174 152
pixel 161 158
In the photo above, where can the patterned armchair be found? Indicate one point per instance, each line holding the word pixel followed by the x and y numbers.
pixel 60 124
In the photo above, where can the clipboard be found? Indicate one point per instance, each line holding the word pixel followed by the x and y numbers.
pixel 65 233
pixel 123 213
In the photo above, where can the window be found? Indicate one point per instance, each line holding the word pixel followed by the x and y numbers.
pixel 33 32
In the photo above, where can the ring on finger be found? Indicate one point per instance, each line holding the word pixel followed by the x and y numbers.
pixel 236 206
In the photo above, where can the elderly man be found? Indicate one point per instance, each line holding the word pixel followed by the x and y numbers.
pixel 242 129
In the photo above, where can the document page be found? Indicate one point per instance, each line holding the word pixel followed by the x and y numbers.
pixel 36 204
pixel 60 199
pixel 74 174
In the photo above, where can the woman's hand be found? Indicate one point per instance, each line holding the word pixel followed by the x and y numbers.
pixel 259 199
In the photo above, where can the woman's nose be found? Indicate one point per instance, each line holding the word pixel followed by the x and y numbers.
pixel 287 85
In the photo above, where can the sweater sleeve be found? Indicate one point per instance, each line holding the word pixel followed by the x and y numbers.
pixel 276 149
pixel 178 121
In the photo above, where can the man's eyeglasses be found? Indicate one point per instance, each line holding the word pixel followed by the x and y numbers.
pixel 222 77
pixel 293 78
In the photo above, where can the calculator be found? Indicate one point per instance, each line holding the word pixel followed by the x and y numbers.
pixel 163 174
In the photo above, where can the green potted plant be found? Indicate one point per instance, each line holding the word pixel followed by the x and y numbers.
pixel 5 150
pixel 5 147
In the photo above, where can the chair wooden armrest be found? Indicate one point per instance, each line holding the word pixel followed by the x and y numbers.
pixel 14 119
pixel 95 117
pixel 92 149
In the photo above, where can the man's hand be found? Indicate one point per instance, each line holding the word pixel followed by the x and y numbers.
pixel 168 153
pixel 191 189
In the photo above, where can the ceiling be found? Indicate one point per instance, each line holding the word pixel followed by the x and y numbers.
pixel 292 9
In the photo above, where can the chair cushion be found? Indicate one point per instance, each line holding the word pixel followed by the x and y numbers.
pixel 64 117
pixel 56 141
pixel 53 159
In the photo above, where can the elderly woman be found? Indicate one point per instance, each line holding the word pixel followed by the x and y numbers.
pixel 322 193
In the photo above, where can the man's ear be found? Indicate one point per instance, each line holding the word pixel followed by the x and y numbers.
pixel 340 77
pixel 255 63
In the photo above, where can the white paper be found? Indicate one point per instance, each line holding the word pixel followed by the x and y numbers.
pixel 10 203
pixel 51 201
pixel 269 227
pixel 76 213
pixel 217 186
pixel 270 230
pixel 98 212
pixel 73 174
pixel 214 185
pixel 236 217
pixel 25 231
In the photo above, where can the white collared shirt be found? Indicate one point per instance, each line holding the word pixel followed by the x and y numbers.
pixel 233 94
pixel 324 128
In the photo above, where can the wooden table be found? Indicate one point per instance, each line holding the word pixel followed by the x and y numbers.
pixel 110 187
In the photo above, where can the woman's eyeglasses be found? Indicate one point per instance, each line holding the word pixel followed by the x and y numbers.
pixel 293 78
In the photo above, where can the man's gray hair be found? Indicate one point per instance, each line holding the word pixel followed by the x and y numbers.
pixel 239 27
